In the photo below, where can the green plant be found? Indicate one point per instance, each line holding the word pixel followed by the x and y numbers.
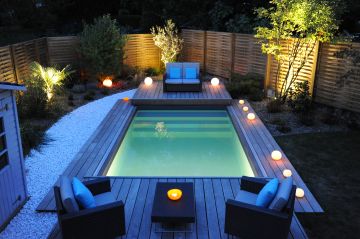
pixel 50 77
pixel 240 23
pixel 245 85
pixel 168 40
pixel 218 14
pixel 274 106
pixel 32 136
pixel 151 71
pixel 302 23
pixel 300 100
pixel 102 47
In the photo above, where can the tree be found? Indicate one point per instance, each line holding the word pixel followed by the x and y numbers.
pixel 168 40
pixel 102 47
pixel 303 23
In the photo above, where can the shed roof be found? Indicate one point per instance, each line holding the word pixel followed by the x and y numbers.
pixel 11 86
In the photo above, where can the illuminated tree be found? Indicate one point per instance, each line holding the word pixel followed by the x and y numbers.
pixel 303 23
pixel 168 40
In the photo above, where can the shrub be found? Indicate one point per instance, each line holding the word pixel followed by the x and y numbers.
pixel 299 99
pixel 168 40
pixel 55 108
pixel 249 85
pixel 102 47
pixel 151 71
pixel 32 136
pixel 274 106
pixel 89 96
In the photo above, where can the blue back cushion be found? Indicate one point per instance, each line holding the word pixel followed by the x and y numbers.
pixel 190 73
pixel 267 193
pixel 175 73
pixel 82 194
pixel 283 194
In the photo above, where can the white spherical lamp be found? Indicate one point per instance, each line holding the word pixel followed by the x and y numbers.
pixel 276 155
pixel 299 193
pixel 241 102
pixel 245 108
pixel 215 81
pixel 148 81
pixel 287 173
pixel 107 82
pixel 251 116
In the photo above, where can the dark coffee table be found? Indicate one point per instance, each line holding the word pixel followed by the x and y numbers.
pixel 173 213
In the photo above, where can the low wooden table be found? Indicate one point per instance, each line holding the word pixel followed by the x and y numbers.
pixel 173 214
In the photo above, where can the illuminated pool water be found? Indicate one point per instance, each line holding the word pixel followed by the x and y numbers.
pixel 199 143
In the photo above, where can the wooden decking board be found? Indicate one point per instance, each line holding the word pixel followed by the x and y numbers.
pixel 210 218
pixel 154 95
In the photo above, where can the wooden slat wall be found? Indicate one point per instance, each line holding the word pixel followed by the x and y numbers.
pixel 7 73
pixel 194 47
pixel 307 73
pixel 140 51
pixel 63 50
pixel 329 72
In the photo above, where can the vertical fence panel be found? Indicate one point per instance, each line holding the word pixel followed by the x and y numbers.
pixel 7 73
pixel 63 50
pixel 194 47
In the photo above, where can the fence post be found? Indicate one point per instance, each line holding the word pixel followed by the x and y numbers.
pixel 314 68
pixel 13 62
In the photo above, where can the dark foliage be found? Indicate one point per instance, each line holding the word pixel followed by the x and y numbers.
pixel 274 106
pixel 250 85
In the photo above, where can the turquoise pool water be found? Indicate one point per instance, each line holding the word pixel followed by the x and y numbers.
pixel 187 143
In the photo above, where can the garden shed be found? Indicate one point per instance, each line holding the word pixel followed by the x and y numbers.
pixel 13 192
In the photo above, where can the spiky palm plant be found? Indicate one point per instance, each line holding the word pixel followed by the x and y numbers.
pixel 50 76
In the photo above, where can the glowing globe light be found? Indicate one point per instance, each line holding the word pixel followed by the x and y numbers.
pixel 126 99
pixel 215 81
pixel 299 193
pixel 241 102
pixel 174 194
pixel 148 81
pixel 251 116
pixel 245 108
pixel 107 82
pixel 287 173
pixel 276 155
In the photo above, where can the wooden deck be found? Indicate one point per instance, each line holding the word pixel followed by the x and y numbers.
pixel 154 95
pixel 210 197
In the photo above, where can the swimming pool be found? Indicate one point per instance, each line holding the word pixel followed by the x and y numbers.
pixel 185 143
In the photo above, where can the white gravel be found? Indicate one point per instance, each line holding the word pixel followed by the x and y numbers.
pixel 44 167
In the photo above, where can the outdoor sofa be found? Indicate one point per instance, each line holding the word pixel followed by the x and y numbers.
pixel 246 220
pixel 182 77
pixel 106 220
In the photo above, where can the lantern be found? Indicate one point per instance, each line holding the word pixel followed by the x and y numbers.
pixel 174 194
pixel 241 102
pixel 276 155
pixel 251 116
pixel 245 108
pixel 107 82
pixel 287 173
pixel 299 193
pixel 148 81
pixel 215 81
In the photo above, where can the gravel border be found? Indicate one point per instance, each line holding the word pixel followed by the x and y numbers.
pixel 44 167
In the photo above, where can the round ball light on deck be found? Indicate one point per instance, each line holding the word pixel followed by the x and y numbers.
pixel 241 102
pixel 215 81
pixel 299 193
pixel 174 194
pixel 276 155
pixel 245 108
pixel 126 99
pixel 107 82
pixel 287 173
pixel 251 116
pixel 148 81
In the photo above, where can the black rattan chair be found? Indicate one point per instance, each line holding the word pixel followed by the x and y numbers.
pixel 105 221
pixel 250 221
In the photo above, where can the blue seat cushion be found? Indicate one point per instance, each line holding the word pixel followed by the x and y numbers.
pixel 173 81
pixel 175 73
pixel 191 81
pixel 267 193
pixel 104 198
pixel 190 73
pixel 246 197
pixel 67 195
pixel 282 196
pixel 82 194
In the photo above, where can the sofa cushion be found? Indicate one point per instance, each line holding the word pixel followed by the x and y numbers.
pixel 67 195
pixel 283 194
pixel 267 193
pixel 246 197
pixel 191 81
pixel 173 81
pixel 82 194
pixel 190 73
pixel 104 198
pixel 175 73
